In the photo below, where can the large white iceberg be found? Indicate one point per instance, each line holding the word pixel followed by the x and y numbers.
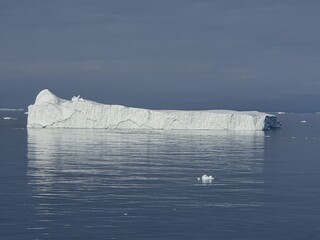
pixel 49 111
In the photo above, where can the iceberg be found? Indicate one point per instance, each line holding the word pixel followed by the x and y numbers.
pixel 50 111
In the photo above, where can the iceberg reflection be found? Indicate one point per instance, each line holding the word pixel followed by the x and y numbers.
pixel 124 154
pixel 65 150
pixel 101 175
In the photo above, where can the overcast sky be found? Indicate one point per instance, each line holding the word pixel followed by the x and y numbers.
pixel 163 54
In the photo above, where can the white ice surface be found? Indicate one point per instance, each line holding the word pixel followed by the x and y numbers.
pixel 9 118
pixel 11 109
pixel 49 111
pixel 206 179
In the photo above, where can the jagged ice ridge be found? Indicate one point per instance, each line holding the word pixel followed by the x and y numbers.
pixel 49 111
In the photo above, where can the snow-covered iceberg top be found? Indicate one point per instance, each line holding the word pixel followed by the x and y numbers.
pixel 49 111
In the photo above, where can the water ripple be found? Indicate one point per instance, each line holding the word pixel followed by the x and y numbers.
pixel 130 183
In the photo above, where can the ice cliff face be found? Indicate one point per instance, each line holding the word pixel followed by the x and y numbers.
pixel 49 111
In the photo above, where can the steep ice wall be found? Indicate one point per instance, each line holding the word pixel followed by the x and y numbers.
pixel 49 111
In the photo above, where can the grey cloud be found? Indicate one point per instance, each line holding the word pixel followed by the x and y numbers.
pixel 175 54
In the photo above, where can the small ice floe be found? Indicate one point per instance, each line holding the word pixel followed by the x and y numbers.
pixel 206 179
pixel 281 113
pixel 303 121
pixel 9 118
pixel 11 109
pixel 266 136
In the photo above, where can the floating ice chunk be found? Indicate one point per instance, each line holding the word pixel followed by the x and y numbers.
pixel 9 118
pixel 11 109
pixel 206 179
pixel 49 111
pixel 281 113
pixel 303 121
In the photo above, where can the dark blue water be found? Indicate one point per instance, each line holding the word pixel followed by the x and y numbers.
pixel 97 184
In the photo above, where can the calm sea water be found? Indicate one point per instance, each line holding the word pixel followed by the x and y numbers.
pixel 98 184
